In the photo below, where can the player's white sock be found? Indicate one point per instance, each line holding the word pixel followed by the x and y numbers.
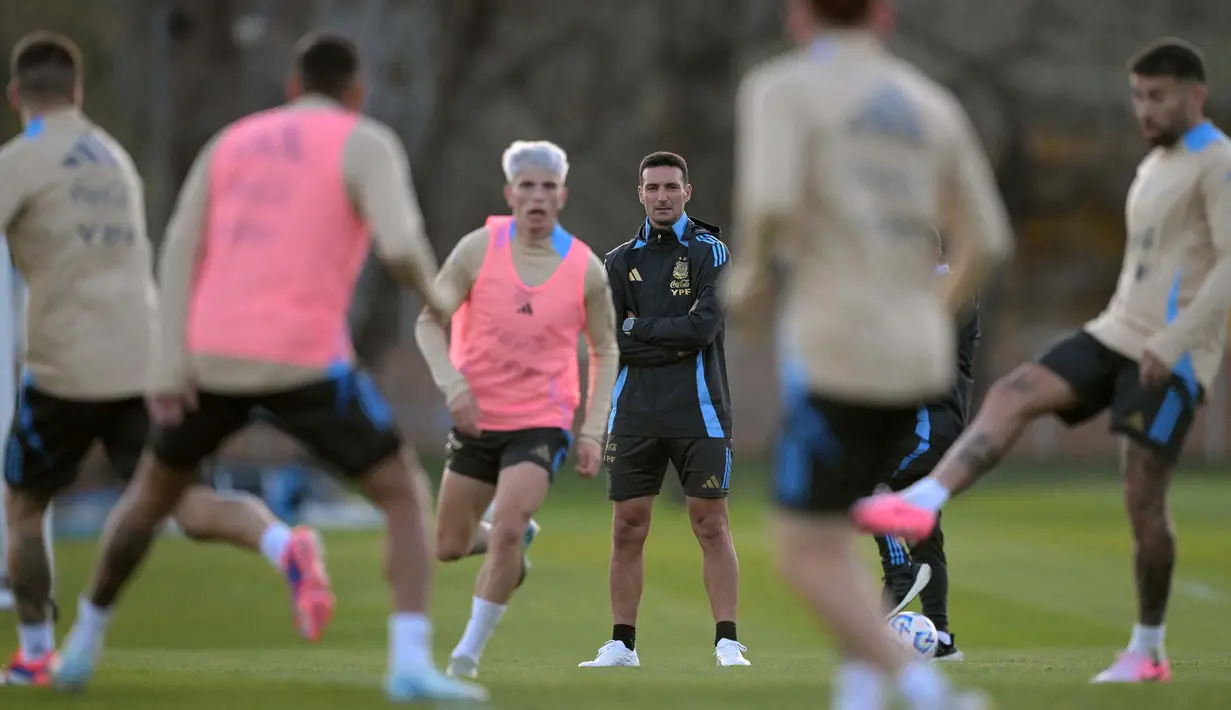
pixel 92 620
pixel 1148 640
pixel 274 541
pixel 858 686
pixel 944 637
pixel 923 687
pixel 484 616
pixel 36 640
pixel 927 493
pixel 410 642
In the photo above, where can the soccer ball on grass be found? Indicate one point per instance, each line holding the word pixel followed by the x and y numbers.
pixel 916 632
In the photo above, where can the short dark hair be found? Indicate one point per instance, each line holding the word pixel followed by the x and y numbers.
pixel 327 63
pixel 1170 56
pixel 663 159
pixel 842 13
pixel 46 67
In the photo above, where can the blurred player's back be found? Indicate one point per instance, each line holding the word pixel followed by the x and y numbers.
pixel 881 163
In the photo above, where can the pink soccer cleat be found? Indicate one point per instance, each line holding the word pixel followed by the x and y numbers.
pixel 890 514
pixel 311 593
pixel 29 671
pixel 1131 667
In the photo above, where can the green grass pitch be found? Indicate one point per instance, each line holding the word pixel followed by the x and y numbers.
pixel 1041 600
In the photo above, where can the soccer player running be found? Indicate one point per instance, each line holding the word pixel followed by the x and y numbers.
pixel 848 161
pixel 73 210
pixel 922 568
pixel 1150 357
pixel 256 275
pixel 520 292
pixel 671 404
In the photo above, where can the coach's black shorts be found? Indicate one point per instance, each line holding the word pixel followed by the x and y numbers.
pixel 636 466
pixel 1158 419
pixel 485 456
pixel 830 454
pixel 51 435
pixel 344 421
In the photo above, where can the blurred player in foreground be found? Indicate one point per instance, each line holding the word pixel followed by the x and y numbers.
pixel 520 292
pixel 10 343
pixel 922 568
pixel 848 159
pixel 257 271
pixel 73 210
pixel 1149 357
pixel 671 404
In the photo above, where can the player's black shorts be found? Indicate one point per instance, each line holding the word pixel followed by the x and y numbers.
pixel 51 435
pixel 830 454
pixel 485 456
pixel 636 466
pixel 343 421
pixel 1158 419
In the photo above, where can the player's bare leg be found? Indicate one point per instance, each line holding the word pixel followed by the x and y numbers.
pixel 30 576
pixel 243 520
pixel 630 527
pixel 522 488
pixel 400 489
pixel 818 558
pixel 1147 480
pixel 720 570
pixel 459 507
pixel 127 536
pixel 1011 404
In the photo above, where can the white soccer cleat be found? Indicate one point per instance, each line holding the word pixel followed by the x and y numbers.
pixel 731 653
pixel 613 654
pixel 463 667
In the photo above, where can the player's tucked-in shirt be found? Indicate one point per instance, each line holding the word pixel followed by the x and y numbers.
pixel 848 161
pixel 531 265
pixel 266 243
pixel 1174 290
pixel 72 206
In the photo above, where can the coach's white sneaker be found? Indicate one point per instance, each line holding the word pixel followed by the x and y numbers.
pixel 731 653
pixel 612 654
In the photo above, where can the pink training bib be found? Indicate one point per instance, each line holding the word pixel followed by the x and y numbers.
pixel 517 344
pixel 283 246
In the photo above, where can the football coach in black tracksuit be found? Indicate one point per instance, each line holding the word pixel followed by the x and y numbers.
pixel 671 402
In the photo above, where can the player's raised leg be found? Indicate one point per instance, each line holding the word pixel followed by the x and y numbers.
pixel 1012 403
pixel 240 519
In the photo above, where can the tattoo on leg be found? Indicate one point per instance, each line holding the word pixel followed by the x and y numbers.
pixel 31 582
pixel 1147 479
pixel 1020 382
pixel 980 454
pixel 123 554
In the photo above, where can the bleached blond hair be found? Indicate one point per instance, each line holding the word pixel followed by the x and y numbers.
pixel 534 154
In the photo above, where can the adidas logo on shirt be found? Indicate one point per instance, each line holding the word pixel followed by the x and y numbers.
pixel 634 275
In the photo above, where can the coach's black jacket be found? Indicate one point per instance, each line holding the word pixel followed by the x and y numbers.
pixel 673 372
